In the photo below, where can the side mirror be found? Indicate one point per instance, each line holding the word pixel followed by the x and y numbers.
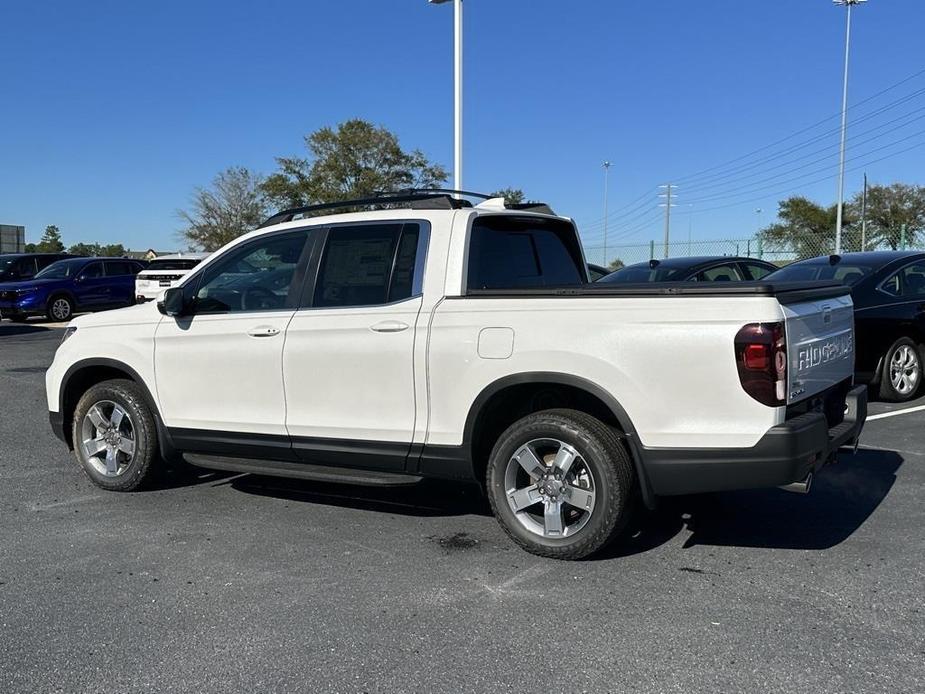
pixel 171 304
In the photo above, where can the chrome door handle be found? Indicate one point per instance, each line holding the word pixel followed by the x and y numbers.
pixel 263 332
pixel 389 326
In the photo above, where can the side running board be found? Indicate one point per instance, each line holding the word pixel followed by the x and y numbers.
pixel 305 471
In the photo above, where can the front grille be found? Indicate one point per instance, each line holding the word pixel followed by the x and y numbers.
pixel 7 296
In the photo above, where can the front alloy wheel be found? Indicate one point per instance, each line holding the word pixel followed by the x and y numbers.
pixel 60 309
pixel 108 438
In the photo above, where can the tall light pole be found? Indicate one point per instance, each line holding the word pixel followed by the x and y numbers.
pixel 606 166
pixel 458 82
pixel 669 192
pixel 844 125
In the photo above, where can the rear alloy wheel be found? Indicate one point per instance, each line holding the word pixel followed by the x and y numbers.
pixel 902 371
pixel 60 309
pixel 561 483
pixel 114 436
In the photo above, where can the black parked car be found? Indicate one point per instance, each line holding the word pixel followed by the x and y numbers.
pixel 888 290
pixel 722 268
pixel 15 267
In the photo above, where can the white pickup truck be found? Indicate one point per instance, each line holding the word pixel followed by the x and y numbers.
pixel 435 338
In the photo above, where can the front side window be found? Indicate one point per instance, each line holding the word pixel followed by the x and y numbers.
pixel 367 265
pixel 259 276
pixel 908 282
pixel 507 252
pixel 92 271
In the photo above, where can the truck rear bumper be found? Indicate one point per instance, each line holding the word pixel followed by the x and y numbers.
pixel 786 453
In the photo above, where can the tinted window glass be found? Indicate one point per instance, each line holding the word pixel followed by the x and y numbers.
pixel 367 265
pixel 92 271
pixel 118 268
pixel 910 281
pixel 259 276
pixel 173 264
pixel 847 273
pixel 720 273
pixel 640 273
pixel 523 252
pixel 62 269
pixel 27 267
pixel 43 261
pixel 757 271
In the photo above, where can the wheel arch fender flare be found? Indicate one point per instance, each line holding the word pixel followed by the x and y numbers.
pixel 581 383
pixel 163 436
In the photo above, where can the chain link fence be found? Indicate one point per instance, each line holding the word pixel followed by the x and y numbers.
pixel 781 254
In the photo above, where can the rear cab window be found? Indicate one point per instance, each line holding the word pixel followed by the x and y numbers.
pixel 514 252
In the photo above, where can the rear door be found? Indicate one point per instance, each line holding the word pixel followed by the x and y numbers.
pixel 121 276
pixel 349 356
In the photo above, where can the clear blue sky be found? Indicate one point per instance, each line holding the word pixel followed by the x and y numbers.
pixel 112 112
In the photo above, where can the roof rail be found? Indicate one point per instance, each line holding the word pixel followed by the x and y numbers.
pixel 418 198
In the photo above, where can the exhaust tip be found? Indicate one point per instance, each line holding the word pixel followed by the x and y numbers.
pixel 801 487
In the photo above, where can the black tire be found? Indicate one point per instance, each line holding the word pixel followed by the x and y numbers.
pixel 901 389
pixel 605 457
pixel 143 466
pixel 66 305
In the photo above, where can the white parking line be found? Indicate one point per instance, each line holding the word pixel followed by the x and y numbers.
pixel 895 413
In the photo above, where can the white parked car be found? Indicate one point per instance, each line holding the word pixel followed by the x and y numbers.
pixel 464 343
pixel 164 272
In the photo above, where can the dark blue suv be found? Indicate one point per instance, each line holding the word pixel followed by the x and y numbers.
pixel 77 284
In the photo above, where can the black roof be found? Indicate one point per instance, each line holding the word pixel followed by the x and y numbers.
pixel 681 262
pixel 872 258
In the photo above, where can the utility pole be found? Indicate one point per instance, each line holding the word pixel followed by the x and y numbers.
pixel 606 166
pixel 844 126
pixel 457 89
pixel 667 195
pixel 864 216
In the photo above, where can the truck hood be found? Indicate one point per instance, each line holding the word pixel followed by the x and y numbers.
pixel 139 314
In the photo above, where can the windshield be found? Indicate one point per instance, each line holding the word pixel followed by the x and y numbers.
pixel 61 270
pixel 641 273
pixel 846 273
pixel 173 264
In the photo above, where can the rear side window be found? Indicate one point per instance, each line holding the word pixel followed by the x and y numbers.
pixel 118 268
pixel 367 265
pixel 756 271
pixel 720 273
pixel 507 252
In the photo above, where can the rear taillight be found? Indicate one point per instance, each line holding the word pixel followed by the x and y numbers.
pixel 761 358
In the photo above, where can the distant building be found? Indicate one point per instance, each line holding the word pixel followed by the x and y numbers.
pixel 12 238
pixel 149 254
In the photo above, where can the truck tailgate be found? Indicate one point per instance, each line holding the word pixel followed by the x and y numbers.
pixel 820 345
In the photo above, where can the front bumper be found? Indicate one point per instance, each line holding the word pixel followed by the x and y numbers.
pixel 786 453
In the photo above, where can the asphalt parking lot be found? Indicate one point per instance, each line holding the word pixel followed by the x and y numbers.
pixel 240 583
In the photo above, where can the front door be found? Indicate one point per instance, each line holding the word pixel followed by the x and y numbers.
pixel 349 355
pixel 91 288
pixel 218 369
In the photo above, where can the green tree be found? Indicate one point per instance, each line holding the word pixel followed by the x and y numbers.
pixel 112 250
pixel 51 240
pixel 889 208
pixel 354 160
pixel 234 205
pixel 615 264
pixel 89 249
pixel 807 229
pixel 511 195
pixel 31 248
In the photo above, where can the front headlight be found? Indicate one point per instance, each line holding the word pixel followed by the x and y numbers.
pixel 68 331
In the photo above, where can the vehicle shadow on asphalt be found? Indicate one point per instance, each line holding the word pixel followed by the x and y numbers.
pixel 10 329
pixel 424 498
pixel 842 497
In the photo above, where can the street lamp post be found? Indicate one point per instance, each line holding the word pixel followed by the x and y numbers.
pixel 606 166
pixel 458 81
pixel 844 125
